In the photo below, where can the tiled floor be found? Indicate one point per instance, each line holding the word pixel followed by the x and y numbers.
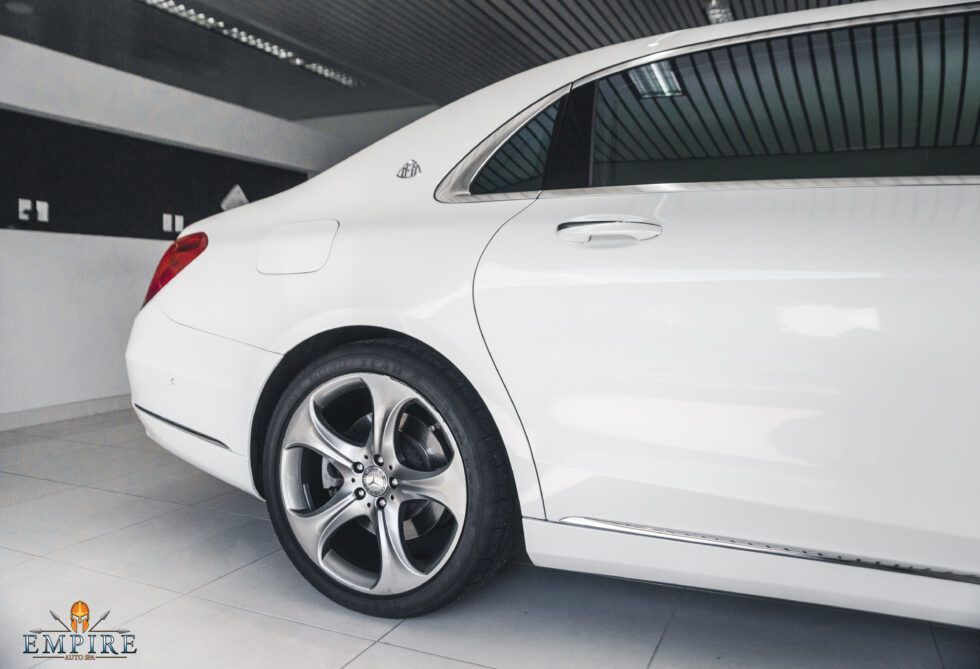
pixel 91 509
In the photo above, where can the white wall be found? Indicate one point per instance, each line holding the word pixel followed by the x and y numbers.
pixel 355 131
pixel 54 84
pixel 67 301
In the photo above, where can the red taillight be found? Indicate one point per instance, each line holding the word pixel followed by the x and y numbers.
pixel 178 256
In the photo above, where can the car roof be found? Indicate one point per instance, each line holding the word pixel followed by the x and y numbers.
pixel 441 139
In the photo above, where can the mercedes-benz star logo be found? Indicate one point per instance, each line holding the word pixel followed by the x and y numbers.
pixel 375 481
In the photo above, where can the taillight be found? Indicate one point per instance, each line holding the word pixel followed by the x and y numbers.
pixel 178 256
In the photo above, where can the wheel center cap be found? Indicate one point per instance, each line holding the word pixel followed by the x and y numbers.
pixel 375 481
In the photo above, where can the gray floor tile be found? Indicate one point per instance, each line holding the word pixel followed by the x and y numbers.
pixel 90 464
pixel 223 550
pixel 527 617
pixel 177 482
pixel 30 589
pixel 236 501
pixel 143 443
pixel 14 488
pixel 83 424
pixel 383 656
pixel 273 586
pixel 8 558
pixel 34 451
pixel 108 436
pixel 959 647
pixel 66 518
pixel 716 630
pixel 195 633
pixel 181 551
pixel 17 437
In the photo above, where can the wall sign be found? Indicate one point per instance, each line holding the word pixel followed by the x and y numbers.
pixel 61 177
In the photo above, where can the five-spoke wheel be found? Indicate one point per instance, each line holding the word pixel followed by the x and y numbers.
pixel 387 481
pixel 367 451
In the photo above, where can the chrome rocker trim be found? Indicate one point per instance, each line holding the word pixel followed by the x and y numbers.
pixel 774 549
pixel 182 428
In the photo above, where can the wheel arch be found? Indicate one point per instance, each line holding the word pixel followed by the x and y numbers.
pixel 324 342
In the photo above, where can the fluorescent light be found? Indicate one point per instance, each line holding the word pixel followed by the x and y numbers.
pixel 656 80
pixel 248 39
pixel 19 8
pixel 719 12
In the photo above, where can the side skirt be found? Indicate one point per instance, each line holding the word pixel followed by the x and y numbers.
pixel 775 549
pixel 700 564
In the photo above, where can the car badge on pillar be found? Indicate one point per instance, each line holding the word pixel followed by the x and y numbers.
pixel 409 170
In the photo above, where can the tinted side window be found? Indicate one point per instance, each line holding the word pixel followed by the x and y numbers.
pixel 518 165
pixel 890 99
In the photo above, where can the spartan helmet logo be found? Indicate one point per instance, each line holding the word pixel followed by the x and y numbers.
pixel 79 616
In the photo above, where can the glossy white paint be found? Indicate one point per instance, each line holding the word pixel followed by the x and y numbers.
pixel 296 248
pixel 793 365
pixel 200 381
pixel 773 366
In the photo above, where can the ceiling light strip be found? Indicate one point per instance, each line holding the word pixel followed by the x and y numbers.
pixel 248 39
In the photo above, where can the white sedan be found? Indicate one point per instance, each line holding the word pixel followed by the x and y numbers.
pixel 700 309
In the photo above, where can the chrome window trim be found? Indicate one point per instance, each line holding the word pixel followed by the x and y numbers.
pixel 455 186
pixel 788 31
pixel 765 184
pixel 774 549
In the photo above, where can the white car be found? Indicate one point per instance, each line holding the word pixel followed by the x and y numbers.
pixel 702 308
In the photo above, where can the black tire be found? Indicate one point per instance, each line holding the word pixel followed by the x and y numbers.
pixel 491 529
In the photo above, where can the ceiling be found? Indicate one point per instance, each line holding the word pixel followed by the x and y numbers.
pixel 402 54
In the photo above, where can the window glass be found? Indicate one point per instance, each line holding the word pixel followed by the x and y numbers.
pixel 519 164
pixel 890 99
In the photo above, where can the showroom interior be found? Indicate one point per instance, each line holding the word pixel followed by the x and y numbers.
pixel 122 122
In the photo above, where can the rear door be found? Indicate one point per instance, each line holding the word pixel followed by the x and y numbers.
pixel 756 317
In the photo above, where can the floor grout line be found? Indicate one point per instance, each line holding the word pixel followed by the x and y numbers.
pixel 116 529
pixel 431 654
pixel 34 499
pixel 150 610
pixel 80 485
pixel 353 659
pixel 75 440
pixel 147 468
pixel 372 645
pixel 236 569
pixel 106 573
pixel 274 616
pixel 94 486
pixel 181 507
pixel 663 634
pixel 935 643
pixel 394 627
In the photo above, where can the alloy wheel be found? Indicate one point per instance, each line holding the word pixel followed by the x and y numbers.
pixel 372 483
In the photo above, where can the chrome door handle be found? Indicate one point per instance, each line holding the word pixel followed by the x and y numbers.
pixel 582 232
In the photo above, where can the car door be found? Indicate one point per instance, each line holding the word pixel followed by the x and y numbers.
pixel 754 318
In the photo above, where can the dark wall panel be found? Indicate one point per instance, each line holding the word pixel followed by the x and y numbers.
pixel 102 183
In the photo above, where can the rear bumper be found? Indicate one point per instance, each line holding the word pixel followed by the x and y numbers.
pixel 196 393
